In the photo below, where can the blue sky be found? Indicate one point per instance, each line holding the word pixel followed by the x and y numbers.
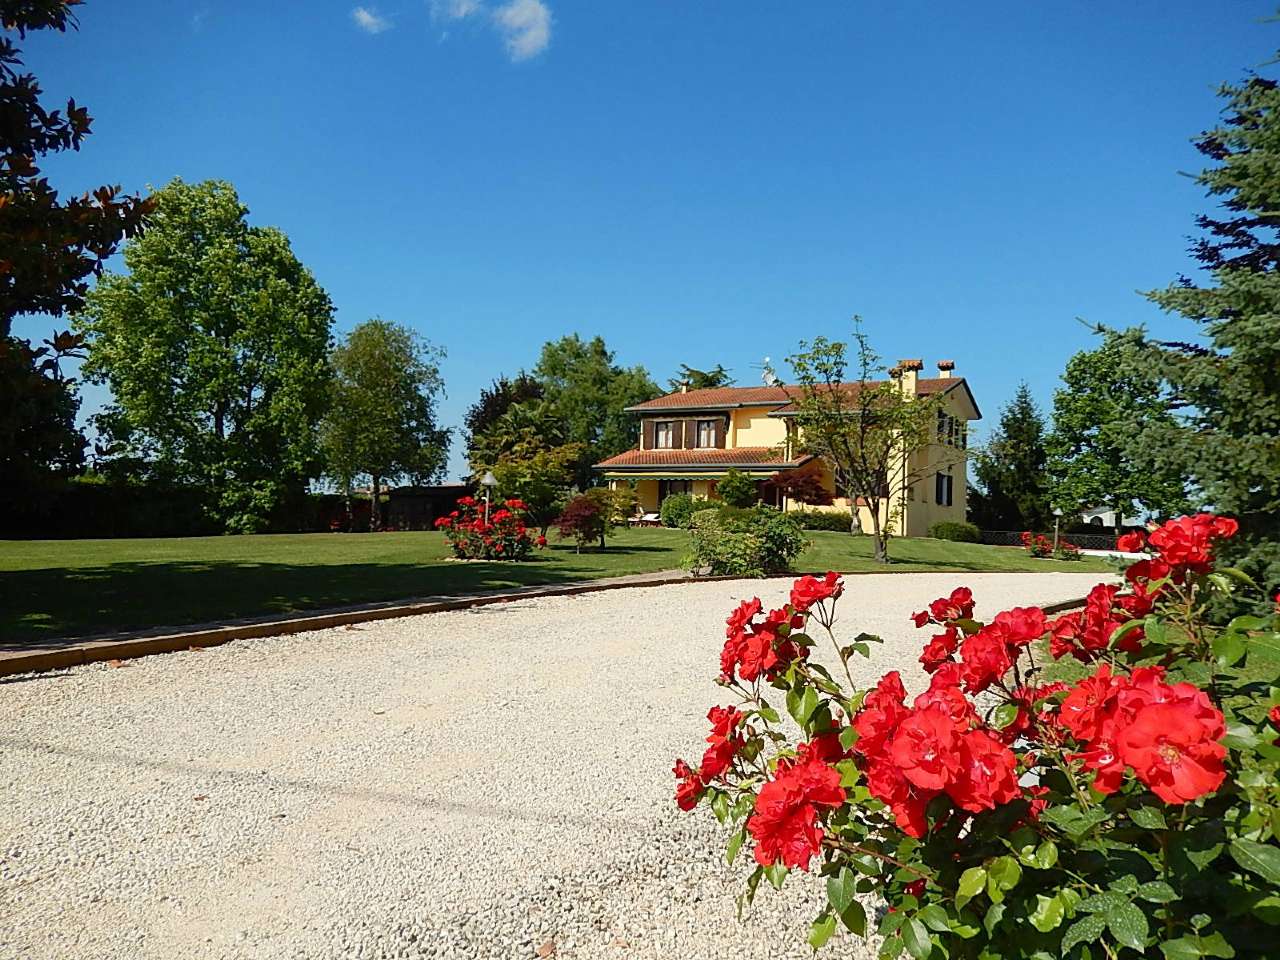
pixel 701 183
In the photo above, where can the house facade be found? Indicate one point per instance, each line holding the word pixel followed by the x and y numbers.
pixel 689 440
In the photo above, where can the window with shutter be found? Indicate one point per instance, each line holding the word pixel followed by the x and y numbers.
pixel 706 433
pixel 664 435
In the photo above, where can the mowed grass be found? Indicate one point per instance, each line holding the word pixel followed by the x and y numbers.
pixel 67 588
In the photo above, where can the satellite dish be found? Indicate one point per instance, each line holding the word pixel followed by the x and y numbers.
pixel 767 375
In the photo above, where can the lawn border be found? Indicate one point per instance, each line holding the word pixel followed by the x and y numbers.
pixel 148 643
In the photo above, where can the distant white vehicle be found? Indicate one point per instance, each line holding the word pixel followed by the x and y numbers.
pixel 1105 517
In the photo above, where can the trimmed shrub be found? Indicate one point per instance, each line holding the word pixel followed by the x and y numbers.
pixel 838 520
pixel 678 508
pixel 750 542
pixel 737 489
pixel 955 530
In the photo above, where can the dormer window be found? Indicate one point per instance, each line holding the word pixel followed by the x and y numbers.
pixel 664 434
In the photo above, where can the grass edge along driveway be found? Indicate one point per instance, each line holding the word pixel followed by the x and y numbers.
pixel 66 588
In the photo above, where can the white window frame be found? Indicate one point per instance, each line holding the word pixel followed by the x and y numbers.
pixel 710 438
pixel 664 430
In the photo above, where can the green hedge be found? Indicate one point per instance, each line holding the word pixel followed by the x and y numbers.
pixel 955 530
pixel 745 542
pixel 839 520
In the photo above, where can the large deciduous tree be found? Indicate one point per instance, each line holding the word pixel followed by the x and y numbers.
pixel 1013 483
pixel 215 344
pixel 382 423
pixel 590 394
pixel 872 434
pixel 1095 411
pixel 1223 436
pixel 49 250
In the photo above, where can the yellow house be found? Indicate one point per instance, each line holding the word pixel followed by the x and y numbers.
pixel 691 438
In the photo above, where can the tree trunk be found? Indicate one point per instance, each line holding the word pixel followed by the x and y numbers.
pixel 351 520
pixel 855 521
pixel 879 538
pixel 375 506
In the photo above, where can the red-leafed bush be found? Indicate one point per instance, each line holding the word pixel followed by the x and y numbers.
pixel 584 520
pixel 1129 809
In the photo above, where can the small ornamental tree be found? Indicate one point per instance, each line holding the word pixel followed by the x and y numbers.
pixel 1008 813
pixel 584 520
pixel 504 536
pixel 803 486
pixel 737 489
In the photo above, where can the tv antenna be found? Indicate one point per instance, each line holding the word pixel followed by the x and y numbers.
pixel 767 374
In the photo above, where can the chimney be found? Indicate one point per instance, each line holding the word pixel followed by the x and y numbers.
pixel 684 386
pixel 910 373
pixel 945 368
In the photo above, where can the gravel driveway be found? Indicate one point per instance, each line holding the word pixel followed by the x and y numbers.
pixel 483 783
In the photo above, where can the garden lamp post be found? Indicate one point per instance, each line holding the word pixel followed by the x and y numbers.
pixel 489 481
pixel 1057 517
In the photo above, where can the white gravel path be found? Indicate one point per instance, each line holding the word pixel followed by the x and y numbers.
pixel 466 784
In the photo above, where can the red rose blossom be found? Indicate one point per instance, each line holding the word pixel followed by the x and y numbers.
pixel 785 821
pixel 809 591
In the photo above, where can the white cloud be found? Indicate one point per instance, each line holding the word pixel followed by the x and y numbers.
pixel 525 26
pixel 369 21
pixel 454 9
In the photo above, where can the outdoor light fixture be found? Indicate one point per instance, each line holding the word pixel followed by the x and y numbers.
pixel 488 481
pixel 1057 516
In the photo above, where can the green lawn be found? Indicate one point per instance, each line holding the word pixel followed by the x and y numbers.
pixel 60 588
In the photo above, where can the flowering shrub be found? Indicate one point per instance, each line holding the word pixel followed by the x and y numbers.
pixel 503 537
pixel 1011 810
pixel 1036 544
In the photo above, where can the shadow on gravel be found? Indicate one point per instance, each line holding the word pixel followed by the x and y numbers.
pixel 268 782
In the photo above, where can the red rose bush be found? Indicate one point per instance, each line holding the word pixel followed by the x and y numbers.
pixel 1098 784
pixel 503 536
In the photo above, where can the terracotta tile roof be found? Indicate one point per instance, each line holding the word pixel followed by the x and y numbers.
pixel 781 396
pixel 737 456
pixel 924 387
pixel 717 397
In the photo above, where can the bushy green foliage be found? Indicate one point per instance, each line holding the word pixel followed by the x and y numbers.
pixel 737 489
pixel 381 424
pixel 1225 389
pixel 747 542
pixel 1094 414
pixel 215 344
pixel 840 520
pixel 956 531
pixel 678 508
pixel 590 394
pixel 618 504
pixel 1013 486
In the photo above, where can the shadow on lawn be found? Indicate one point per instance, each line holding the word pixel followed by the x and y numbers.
pixel 38 606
